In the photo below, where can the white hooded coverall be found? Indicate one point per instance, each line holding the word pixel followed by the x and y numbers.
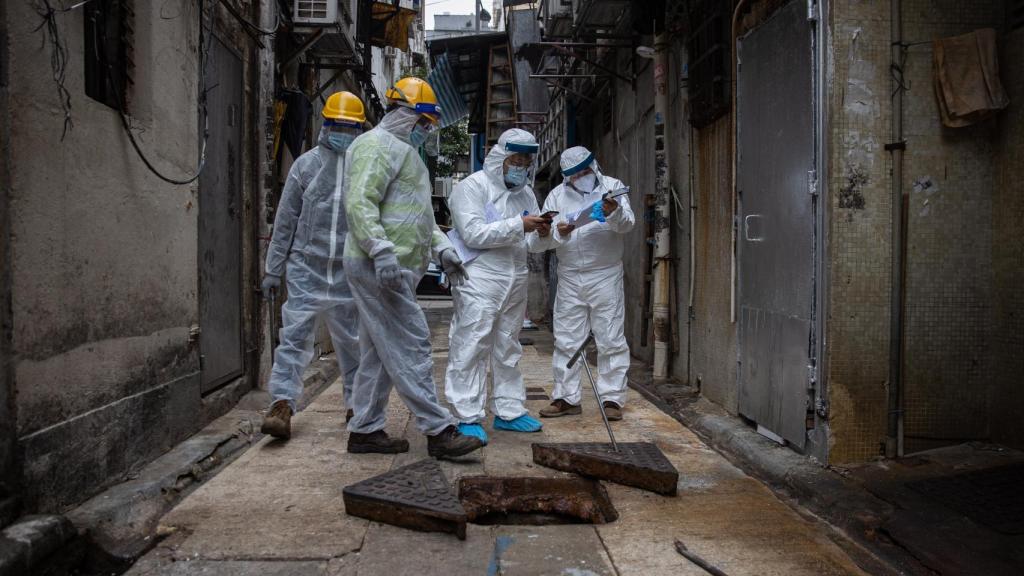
pixel 491 304
pixel 589 297
pixel 307 246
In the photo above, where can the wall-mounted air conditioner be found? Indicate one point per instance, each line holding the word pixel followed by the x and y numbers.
pixel 315 12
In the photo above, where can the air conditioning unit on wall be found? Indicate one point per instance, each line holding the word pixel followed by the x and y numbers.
pixel 315 12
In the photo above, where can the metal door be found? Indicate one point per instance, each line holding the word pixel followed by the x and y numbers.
pixel 220 224
pixel 775 123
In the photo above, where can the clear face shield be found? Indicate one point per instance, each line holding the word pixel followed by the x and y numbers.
pixel 424 131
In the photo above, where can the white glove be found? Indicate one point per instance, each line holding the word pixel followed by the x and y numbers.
pixel 389 274
pixel 452 265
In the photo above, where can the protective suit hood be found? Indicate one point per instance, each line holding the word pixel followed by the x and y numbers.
pixel 322 139
pixel 506 146
pixel 400 123
pixel 576 159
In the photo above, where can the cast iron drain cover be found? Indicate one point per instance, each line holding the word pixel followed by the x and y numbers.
pixel 990 497
pixel 416 496
pixel 638 464
pixel 535 501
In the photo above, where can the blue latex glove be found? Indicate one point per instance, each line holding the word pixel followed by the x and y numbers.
pixel 597 211
pixel 475 430
pixel 524 423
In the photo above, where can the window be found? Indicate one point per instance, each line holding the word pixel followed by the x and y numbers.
pixel 708 43
pixel 108 36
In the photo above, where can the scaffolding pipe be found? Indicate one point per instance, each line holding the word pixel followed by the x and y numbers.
pixel 662 272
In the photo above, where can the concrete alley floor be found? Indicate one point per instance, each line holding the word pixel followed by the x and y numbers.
pixel 278 509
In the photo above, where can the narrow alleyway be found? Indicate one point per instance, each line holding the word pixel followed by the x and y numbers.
pixel 278 509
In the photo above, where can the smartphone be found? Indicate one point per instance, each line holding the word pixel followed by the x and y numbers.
pixel 616 194
pixel 549 214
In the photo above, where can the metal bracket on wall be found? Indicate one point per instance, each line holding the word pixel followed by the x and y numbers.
pixel 812 182
pixel 812 10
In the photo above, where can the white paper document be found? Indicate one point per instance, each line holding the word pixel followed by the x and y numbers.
pixel 466 253
pixel 491 215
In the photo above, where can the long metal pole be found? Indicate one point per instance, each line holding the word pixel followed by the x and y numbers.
pixel 600 405
pixel 581 354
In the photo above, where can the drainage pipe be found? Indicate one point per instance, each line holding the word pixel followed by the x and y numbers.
pixel 732 134
pixel 897 297
pixel 662 237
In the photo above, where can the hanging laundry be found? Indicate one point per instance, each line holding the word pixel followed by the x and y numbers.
pixel 966 78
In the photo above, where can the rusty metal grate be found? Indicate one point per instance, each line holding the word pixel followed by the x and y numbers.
pixel 637 464
pixel 992 497
pixel 416 496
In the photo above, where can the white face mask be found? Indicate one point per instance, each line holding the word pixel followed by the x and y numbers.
pixel 585 183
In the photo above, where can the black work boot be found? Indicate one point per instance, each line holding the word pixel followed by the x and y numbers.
pixel 450 443
pixel 278 422
pixel 376 443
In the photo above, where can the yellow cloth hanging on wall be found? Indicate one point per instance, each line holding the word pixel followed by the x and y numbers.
pixel 391 26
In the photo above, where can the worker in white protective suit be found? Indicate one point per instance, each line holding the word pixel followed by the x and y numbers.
pixel 589 297
pixel 494 212
pixel 391 238
pixel 306 246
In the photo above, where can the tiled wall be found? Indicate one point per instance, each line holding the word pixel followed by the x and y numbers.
pixel 950 175
pixel 1008 253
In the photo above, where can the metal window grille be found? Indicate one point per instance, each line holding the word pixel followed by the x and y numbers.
pixel 708 43
pixel 109 37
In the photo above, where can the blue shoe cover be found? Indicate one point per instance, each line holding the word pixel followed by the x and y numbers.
pixel 524 423
pixel 474 430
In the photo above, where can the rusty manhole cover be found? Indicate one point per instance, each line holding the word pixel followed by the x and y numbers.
pixel 535 501
pixel 637 464
pixel 416 496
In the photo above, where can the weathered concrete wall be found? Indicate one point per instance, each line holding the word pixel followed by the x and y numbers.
pixel 104 259
pixel 950 175
pixel 626 151
pixel 712 332
pixel 680 136
pixel 858 252
pixel 1008 252
pixel 8 438
pixel 617 126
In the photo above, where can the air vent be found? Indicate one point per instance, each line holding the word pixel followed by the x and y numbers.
pixel 315 12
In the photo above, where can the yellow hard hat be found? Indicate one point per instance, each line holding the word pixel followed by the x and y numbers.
pixel 415 93
pixel 344 106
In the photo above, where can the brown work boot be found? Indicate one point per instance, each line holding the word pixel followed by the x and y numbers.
pixel 376 443
pixel 451 443
pixel 278 422
pixel 349 414
pixel 560 408
pixel 612 411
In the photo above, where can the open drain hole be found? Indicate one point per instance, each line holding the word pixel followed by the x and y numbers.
pixel 535 501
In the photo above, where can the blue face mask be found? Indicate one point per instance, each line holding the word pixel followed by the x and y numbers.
pixel 516 176
pixel 418 136
pixel 340 141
